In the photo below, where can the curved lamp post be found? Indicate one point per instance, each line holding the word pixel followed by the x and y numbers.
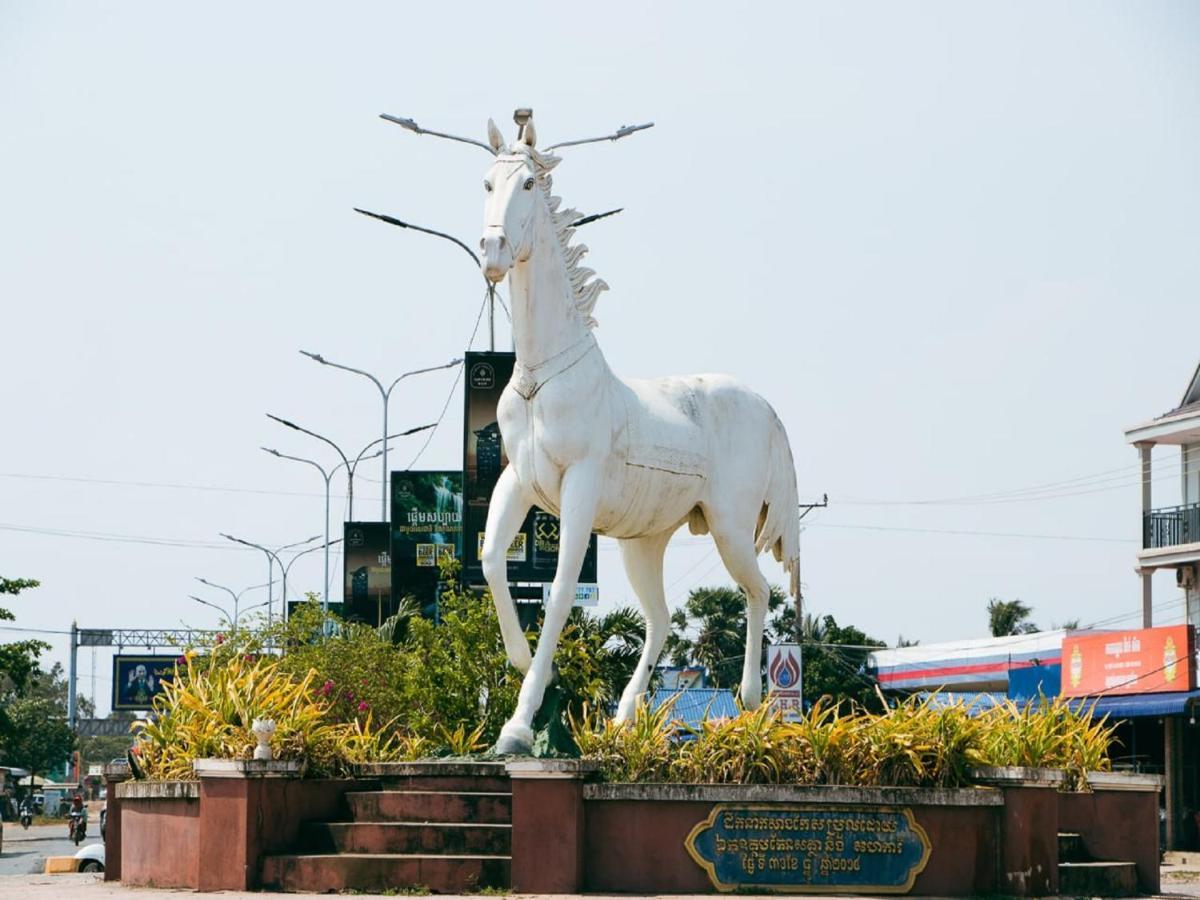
pixel 237 598
pixel 385 394
pixel 272 558
pixel 288 567
pixel 352 466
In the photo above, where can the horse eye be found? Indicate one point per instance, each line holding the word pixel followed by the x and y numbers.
pixel 528 183
pixel 487 186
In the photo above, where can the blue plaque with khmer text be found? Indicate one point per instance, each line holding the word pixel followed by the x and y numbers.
pixel 802 848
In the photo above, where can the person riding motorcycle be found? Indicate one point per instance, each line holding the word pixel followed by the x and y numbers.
pixel 77 819
pixel 26 812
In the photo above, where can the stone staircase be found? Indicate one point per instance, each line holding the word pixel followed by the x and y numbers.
pixel 1081 876
pixel 443 826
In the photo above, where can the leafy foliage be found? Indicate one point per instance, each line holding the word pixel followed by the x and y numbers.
pixel 1009 617
pixel 33 729
pixel 911 743
pixel 710 630
pixel 443 689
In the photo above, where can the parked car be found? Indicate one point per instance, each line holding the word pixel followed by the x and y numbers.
pixel 91 858
pixel 103 820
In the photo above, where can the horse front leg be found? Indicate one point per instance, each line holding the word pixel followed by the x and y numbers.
pixel 506 515
pixel 580 496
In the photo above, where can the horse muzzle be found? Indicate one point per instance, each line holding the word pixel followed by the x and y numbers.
pixel 497 256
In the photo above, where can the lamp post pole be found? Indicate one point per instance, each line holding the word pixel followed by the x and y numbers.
pixel 288 568
pixel 237 599
pixel 327 476
pixel 491 288
pixel 351 466
pixel 272 558
pixel 385 394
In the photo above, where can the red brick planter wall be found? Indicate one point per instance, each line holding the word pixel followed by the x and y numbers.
pixel 637 845
pixel 1116 824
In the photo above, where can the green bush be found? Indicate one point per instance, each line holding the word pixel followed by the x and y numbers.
pixel 910 743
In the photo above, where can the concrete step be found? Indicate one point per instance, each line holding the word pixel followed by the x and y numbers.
pixel 492 784
pixel 441 775
pixel 479 807
pixel 331 873
pixel 1097 879
pixel 1070 847
pixel 405 837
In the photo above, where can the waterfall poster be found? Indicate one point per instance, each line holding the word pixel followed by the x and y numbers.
pixel 533 554
pixel 427 526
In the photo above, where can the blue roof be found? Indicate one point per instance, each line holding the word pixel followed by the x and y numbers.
pixel 1131 706
pixel 694 705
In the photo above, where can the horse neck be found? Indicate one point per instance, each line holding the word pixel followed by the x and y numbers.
pixel 545 320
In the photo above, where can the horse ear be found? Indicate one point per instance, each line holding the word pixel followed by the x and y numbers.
pixel 495 138
pixel 528 135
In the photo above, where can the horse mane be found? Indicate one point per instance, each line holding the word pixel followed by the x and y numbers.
pixel 585 289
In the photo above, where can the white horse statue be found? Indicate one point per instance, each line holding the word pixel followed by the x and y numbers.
pixel 630 459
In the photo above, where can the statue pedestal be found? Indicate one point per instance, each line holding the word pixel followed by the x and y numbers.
pixel 548 824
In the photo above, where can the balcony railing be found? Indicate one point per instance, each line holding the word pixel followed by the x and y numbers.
pixel 1171 526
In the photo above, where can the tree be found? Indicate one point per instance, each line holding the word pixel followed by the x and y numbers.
pixel 18 660
pixel 1009 617
pixel 834 662
pixel 709 630
pixel 39 737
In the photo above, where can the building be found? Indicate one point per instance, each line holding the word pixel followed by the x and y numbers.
pixel 1171 532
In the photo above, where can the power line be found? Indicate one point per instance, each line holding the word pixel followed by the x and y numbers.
pixel 963 531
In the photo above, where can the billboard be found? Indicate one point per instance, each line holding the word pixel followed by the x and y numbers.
pixel 427 526
pixel 1139 661
pixel 785 680
pixel 533 555
pixel 137 680
pixel 367 572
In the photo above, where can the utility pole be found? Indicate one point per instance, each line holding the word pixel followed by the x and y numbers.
pixel 72 675
pixel 805 509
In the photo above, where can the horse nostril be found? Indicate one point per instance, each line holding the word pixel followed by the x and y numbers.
pixel 502 241
pixel 481 244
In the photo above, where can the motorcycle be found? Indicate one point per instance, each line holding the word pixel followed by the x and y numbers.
pixel 26 818
pixel 78 828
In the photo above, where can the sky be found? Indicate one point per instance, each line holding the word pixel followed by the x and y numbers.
pixel 954 245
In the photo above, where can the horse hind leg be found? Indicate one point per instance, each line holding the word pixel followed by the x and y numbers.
pixel 643 560
pixel 741 561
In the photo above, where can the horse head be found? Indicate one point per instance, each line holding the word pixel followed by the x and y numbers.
pixel 510 201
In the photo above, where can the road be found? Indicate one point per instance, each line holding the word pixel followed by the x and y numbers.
pixel 25 852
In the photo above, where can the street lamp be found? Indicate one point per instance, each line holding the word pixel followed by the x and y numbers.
pixel 491 287
pixel 386 394
pixel 237 599
pixel 288 568
pixel 327 475
pixel 351 466
pixel 272 558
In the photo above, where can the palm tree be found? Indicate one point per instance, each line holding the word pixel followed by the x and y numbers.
pixel 1009 617
pixel 709 630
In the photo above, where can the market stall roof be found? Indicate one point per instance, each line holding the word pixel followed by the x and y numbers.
pixel 976 665
pixel 1132 706
pixel 694 705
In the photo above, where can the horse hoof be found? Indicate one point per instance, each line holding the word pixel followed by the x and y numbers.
pixel 514 741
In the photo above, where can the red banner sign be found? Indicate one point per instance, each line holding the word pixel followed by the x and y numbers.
pixel 1144 661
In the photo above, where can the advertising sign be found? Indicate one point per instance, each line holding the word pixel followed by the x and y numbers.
pixel 784 679
pixel 1140 661
pixel 427 523
pixel 585 594
pixel 533 554
pixel 681 678
pixel 810 849
pixel 367 572
pixel 137 680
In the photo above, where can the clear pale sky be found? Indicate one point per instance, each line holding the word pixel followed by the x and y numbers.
pixel 955 245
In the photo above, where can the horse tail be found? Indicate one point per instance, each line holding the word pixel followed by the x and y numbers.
pixel 779 523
